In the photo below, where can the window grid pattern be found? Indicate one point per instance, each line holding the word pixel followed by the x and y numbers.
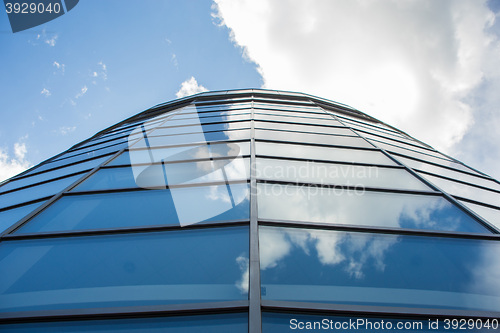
pixel 255 112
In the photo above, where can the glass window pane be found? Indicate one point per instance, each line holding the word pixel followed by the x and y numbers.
pixel 360 207
pixel 11 216
pixel 36 192
pixel 91 152
pixel 284 111
pixel 161 175
pixel 422 166
pixel 185 266
pixel 304 128
pixel 159 141
pixel 289 322
pixel 173 206
pixel 214 323
pixel 197 120
pixel 439 161
pixel 299 137
pixel 337 174
pixel 377 269
pixel 379 141
pixel 221 115
pixel 489 214
pixel 197 128
pixel 210 150
pixel 87 165
pixel 294 119
pixel 330 154
pixel 465 191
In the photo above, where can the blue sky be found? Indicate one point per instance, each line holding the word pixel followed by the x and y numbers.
pixel 404 62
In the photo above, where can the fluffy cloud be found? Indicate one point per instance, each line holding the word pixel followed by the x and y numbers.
pixel 190 87
pixel 10 166
pixel 417 65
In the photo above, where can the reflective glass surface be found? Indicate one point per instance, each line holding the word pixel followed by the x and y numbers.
pixel 198 120
pixel 376 269
pixel 36 192
pixel 158 141
pixel 290 322
pixel 167 174
pixel 295 119
pixel 143 208
pixel 293 113
pixel 211 150
pixel 75 159
pixel 360 207
pixel 11 216
pixel 304 128
pixel 299 137
pixel 217 323
pixel 436 160
pixel 377 141
pixel 91 151
pixel 337 174
pixel 419 165
pixel 489 214
pixel 220 114
pixel 200 128
pixel 465 191
pixel 124 270
pixel 331 154
pixel 53 174
pixel 411 152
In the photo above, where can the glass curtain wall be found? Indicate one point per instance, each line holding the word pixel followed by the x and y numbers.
pixel 249 211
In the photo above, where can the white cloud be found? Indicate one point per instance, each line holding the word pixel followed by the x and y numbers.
pixel 51 41
pixel 11 166
pixel 45 92
pixel 82 92
pixel 190 87
pixel 414 64
pixel 63 130
pixel 59 66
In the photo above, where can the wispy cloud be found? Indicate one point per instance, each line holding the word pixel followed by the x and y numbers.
pixel 45 92
pixel 12 165
pixel 190 87
pixel 63 130
pixel 59 66
pixel 82 92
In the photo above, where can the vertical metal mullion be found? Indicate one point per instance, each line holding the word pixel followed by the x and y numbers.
pixel 254 315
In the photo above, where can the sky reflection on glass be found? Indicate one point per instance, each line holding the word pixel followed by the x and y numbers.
pixel 376 269
pixel 186 266
pixel 360 207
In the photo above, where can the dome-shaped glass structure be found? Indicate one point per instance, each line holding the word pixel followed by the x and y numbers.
pixel 249 211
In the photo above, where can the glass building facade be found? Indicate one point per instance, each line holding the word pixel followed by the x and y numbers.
pixel 250 211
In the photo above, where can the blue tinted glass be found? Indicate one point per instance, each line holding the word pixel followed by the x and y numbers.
pixel 53 174
pixel 167 174
pixel 304 128
pixel 463 190
pixel 289 322
pixel 11 216
pixel 377 269
pixel 489 214
pixel 325 139
pixel 337 174
pixel 211 150
pixel 341 206
pixel 73 159
pixel 295 119
pixel 136 269
pixel 219 323
pixel 219 114
pixel 160 141
pixel 197 128
pixel 93 151
pixel 143 208
pixel 197 120
pixel 36 192
pixel 330 154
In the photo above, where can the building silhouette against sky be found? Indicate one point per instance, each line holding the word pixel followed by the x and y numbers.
pixel 249 210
